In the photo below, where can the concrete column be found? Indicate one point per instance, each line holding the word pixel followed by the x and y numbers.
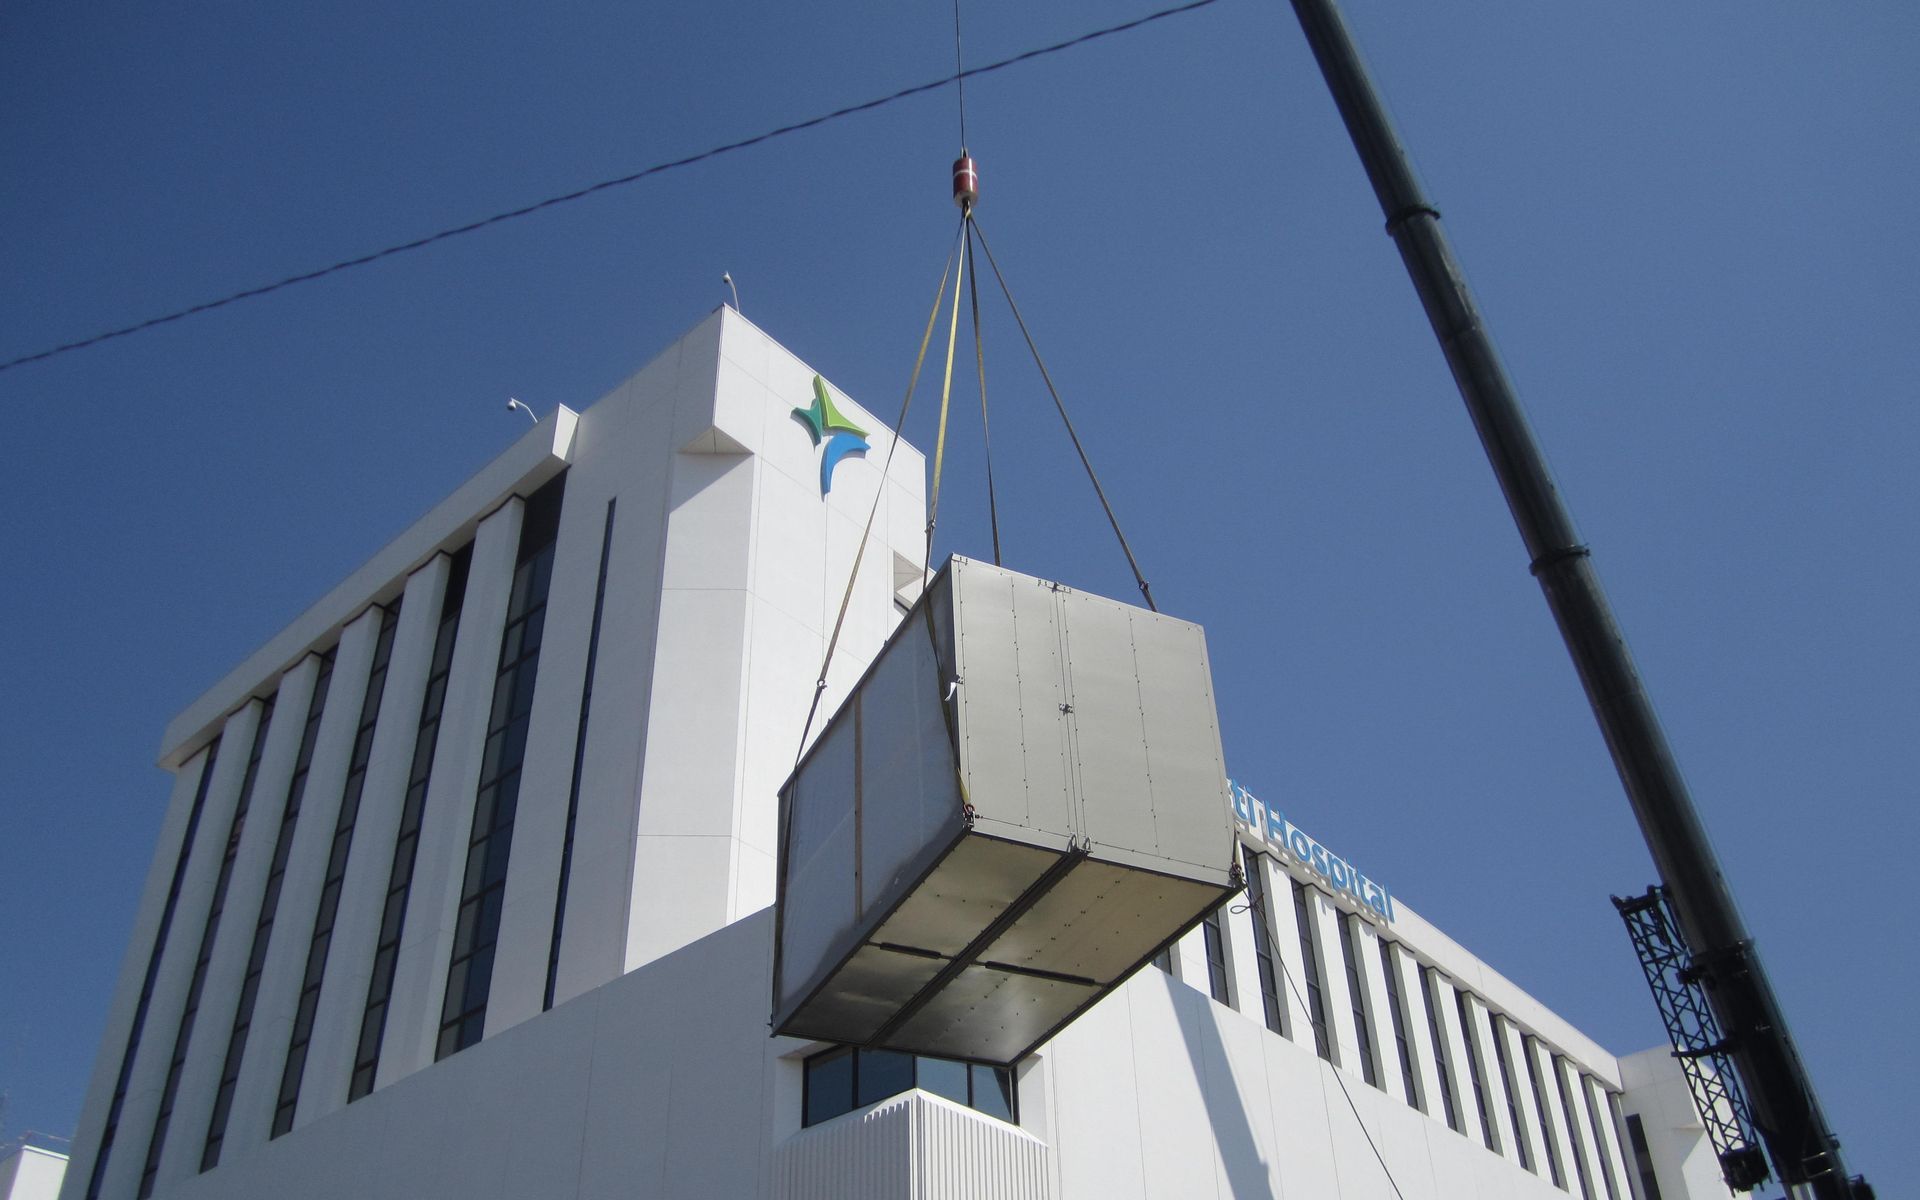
pixel 280 980
pixel 1553 1119
pixel 1419 1038
pixel 200 1075
pixel 169 999
pixel 1367 942
pixel 356 926
pixel 126 993
pixel 1243 960
pixel 420 976
pixel 1333 982
pixel 1528 1133
pixel 1497 1112
pixel 1190 961
pixel 1580 1126
pixel 546 774
pixel 1453 1050
pixel 1607 1140
pixel 220 999
pixel 1617 1130
pixel 1293 981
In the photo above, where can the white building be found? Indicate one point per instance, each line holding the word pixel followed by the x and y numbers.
pixel 30 1170
pixel 463 892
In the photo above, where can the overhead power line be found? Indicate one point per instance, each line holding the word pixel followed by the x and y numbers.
pixel 603 185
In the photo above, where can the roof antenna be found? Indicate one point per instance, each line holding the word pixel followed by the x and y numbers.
pixel 726 277
pixel 513 404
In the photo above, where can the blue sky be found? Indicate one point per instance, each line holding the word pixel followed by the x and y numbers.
pixel 1685 223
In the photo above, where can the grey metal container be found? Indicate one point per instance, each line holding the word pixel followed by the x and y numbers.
pixel 1020 803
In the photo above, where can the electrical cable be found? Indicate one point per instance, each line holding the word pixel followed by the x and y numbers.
pixel 603 185
pixel 1146 591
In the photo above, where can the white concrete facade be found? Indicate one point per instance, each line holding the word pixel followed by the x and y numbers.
pixel 697 568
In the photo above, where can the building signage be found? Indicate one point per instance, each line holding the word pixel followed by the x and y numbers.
pixel 825 422
pixel 1267 825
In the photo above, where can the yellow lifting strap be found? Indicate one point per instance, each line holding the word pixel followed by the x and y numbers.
pixel 946 398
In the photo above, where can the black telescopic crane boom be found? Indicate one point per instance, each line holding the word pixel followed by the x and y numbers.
pixel 1804 1152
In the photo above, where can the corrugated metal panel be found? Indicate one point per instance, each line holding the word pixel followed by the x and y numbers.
pixel 912 1147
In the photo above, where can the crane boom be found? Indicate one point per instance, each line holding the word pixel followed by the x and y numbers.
pixel 1804 1152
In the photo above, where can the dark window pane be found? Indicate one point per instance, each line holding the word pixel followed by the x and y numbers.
pixel 829 1086
pixel 993 1091
pixel 882 1073
pixel 944 1077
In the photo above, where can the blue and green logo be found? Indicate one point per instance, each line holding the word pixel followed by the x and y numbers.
pixel 825 422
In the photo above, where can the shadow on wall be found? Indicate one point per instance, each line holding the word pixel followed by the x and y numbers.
pixel 1248 1177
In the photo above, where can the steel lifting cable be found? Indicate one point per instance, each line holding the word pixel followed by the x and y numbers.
pixel 886 470
pixel 1146 590
pixel 980 369
pixel 946 394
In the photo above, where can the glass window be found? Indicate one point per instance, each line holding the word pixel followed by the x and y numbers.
pixel 1508 1085
pixel 993 1091
pixel 1451 1109
pixel 1310 959
pixel 114 1107
pixel 1356 994
pixel 263 925
pixel 1642 1158
pixel 829 1086
pixel 882 1073
pixel 1546 1114
pixel 1401 1046
pixel 843 1079
pixel 1578 1148
pixel 329 907
pixel 944 1077
pixel 463 1012
pixel 1474 1073
pixel 1272 1009
pixel 1215 941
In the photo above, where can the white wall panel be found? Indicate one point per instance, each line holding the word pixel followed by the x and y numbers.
pixel 176 971
pixel 420 978
pixel 1498 1115
pixel 1419 1037
pixel 280 982
pixel 1452 1052
pixel 546 774
pixel 1333 983
pixel 1366 947
pixel 1553 1118
pixel 126 992
pixel 1529 1130
pixel 1599 1118
pixel 200 1073
pixel 356 927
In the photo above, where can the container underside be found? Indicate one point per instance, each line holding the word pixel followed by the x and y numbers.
pixel 999 946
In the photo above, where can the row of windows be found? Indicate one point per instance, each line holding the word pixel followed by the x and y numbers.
pixel 263 927
pixel 463 1012
pixel 469 973
pixel 842 1079
pixel 329 907
pixel 141 1006
pixel 1559 1090
pixel 216 906
pixel 406 845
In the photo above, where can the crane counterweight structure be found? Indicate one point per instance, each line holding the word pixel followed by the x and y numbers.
pixel 1803 1149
